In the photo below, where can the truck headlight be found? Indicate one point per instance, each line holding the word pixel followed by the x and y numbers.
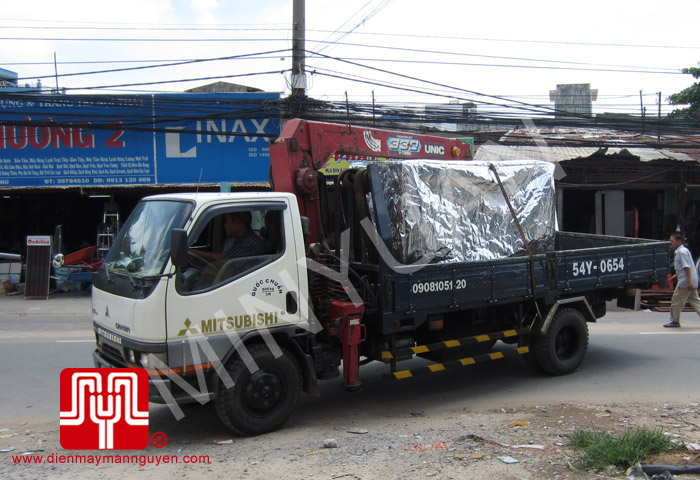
pixel 153 361
pixel 131 356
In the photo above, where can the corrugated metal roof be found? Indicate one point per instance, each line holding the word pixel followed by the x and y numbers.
pixel 494 152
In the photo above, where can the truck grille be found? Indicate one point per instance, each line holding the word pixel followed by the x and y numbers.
pixel 113 354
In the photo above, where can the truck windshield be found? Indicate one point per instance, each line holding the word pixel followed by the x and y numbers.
pixel 143 245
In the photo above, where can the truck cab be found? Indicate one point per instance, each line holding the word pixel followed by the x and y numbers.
pixel 187 318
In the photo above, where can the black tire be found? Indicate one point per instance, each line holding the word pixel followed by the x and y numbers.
pixel 562 348
pixel 260 401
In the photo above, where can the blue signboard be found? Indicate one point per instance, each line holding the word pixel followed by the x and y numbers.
pixel 71 140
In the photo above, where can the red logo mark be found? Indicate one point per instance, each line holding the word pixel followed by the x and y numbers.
pixel 104 408
pixel 159 440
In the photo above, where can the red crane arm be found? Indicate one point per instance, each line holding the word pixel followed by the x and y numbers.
pixel 304 147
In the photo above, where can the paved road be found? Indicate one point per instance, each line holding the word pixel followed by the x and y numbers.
pixel 40 338
pixel 631 358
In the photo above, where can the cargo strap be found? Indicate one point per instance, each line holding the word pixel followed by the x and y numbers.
pixel 522 234
pixel 434 347
pixel 463 362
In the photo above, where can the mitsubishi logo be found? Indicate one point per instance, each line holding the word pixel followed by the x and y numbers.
pixel 187 329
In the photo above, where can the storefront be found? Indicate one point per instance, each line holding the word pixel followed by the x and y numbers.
pixel 74 160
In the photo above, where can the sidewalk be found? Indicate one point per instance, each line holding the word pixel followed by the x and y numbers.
pixel 58 304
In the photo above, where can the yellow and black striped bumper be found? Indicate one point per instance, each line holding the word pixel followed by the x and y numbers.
pixel 434 347
pixel 462 362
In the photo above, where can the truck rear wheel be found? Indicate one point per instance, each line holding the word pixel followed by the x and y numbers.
pixel 263 400
pixel 562 348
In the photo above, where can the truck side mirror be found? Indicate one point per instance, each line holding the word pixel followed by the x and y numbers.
pixel 178 247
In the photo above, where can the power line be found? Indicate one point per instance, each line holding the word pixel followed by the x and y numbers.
pixel 515 103
pixel 145 60
pixel 135 113
pixel 638 69
pixel 445 93
pixel 536 67
pixel 150 28
pixel 285 27
pixel 337 35
pixel 524 105
pixel 143 40
pixel 161 82
pixel 142 24
pixel 184 62
pixel 263 56
pixel 450 90
pixel 579 65
pixel 531 108
pixel 497 57
pixel 536 111
pixel 509 40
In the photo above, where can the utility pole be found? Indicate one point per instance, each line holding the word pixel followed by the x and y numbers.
pixel 55 69
pixel 659 137
pixel 374 115
pixel 299 49
pixel 641 105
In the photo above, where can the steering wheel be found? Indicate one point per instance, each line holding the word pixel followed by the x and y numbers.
pixel 221 274
pixel 197 262
pixel 234 266
pixel 201 271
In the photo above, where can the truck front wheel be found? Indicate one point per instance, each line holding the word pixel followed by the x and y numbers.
pixel 562 348
pixel 262 400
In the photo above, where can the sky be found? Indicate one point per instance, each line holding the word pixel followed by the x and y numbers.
pixel 434 52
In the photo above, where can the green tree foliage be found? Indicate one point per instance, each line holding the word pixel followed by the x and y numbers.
pixel 688 96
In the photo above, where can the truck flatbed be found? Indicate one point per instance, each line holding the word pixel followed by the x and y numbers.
pixel 582 264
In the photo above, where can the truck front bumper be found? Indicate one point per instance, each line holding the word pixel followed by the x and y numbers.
pixel 154 384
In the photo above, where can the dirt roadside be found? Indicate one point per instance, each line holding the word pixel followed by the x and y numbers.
pixel 446 445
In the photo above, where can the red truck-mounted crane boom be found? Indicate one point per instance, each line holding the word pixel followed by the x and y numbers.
pixel 296 157
pixel 304 147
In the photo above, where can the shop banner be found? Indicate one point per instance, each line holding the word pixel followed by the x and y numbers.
pixel 110 140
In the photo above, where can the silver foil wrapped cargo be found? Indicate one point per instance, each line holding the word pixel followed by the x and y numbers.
pixel 456 212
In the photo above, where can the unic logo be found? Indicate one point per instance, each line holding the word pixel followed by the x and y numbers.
pixel 104 408
pixel 435 149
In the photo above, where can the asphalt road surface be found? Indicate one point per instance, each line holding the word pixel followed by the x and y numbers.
pixel 631 358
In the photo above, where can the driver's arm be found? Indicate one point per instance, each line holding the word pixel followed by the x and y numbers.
pixel 210 256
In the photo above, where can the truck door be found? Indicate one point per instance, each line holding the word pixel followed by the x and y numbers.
pixel 242 279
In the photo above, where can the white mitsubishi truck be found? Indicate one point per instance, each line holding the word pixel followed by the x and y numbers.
pixel 421 252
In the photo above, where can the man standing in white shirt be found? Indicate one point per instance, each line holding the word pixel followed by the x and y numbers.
pixel 687 276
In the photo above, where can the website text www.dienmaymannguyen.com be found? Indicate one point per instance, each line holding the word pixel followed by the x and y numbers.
pixel 108 459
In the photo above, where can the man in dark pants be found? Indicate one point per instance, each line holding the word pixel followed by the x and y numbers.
pixel 687 276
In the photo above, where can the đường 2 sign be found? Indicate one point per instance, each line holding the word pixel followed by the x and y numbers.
pixel 72 140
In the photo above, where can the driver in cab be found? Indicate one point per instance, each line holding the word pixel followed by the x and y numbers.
pixel 240 241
